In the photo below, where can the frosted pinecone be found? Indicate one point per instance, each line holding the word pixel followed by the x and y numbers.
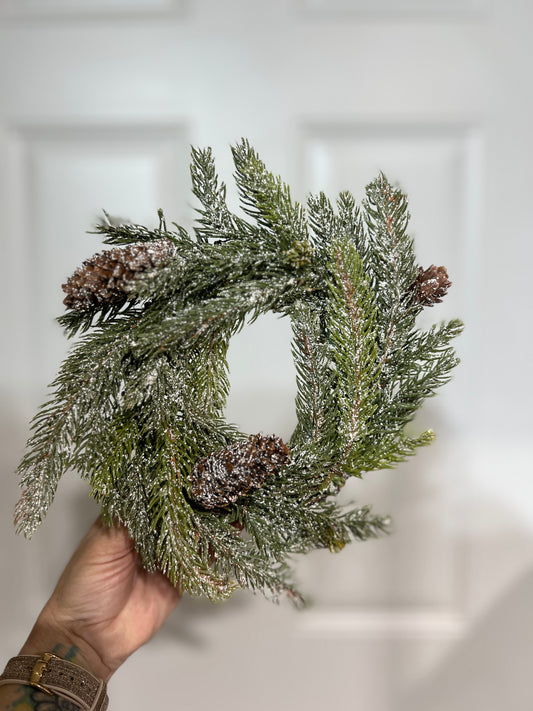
pixel 222 477
pixel 104 278
pixel 431 285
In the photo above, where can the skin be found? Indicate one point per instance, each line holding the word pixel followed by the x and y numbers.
pixel 104 607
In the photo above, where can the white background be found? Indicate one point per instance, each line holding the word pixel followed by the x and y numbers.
pixel 99 102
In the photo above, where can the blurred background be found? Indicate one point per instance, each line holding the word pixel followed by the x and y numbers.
pixel 100 101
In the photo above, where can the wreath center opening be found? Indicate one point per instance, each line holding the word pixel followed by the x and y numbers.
pixel 262 378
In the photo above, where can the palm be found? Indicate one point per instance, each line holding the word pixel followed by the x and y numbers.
pixel 107 599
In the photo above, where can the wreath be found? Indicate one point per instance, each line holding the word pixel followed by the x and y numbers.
pixel 138 404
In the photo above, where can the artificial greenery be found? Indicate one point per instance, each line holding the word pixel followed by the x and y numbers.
pixel 139 400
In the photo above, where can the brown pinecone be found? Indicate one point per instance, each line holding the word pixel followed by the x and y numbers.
pixel 103 279
pixel 431 285
pixel 222 477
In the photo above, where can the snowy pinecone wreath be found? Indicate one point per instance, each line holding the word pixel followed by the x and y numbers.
pixel 138 404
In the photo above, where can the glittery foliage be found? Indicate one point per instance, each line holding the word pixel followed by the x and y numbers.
pixel 138 405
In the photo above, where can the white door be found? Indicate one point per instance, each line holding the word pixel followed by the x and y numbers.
pixel 99 102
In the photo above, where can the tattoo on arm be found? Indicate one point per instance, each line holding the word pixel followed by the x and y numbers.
pixel 69 654
pixel 45 702
pixel 30 699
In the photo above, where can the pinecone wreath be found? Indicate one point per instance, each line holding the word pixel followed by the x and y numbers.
pixel 137 408
pixel 104 278
pixel 431 285
pixel 219 479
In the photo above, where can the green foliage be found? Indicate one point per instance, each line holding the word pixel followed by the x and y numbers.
pixel 140 398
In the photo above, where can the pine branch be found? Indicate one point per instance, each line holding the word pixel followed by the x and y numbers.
pixel 390 263
pixel 74 322
pixel 381 238
pixel 87 386
pixel 258 568
pixel 352 323
pixel 300 529
pixel 185 559
pixel 124 233
pixel 428 361
pixel 267 199
pixel 314 376
pixel 215 221
pixel 325 223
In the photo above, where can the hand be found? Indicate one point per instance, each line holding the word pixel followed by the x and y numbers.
pixel 105 604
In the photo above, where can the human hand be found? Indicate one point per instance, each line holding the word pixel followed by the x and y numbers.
pixel 105 604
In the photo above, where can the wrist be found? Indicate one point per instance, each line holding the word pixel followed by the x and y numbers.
pixel 49 635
